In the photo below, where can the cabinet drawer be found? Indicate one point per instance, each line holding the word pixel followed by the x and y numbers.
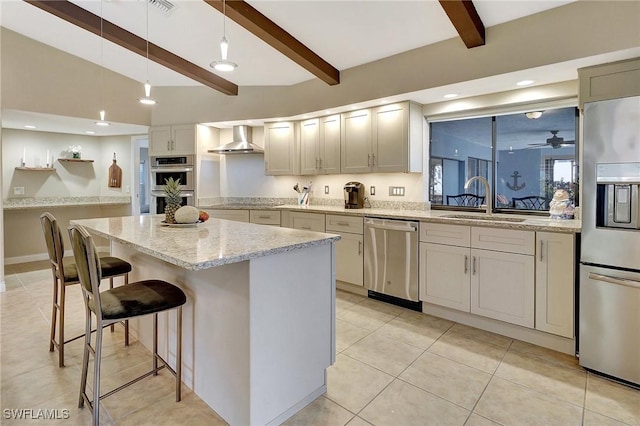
pixel 237 215
pixel 264 217
pixel 453 235
pixel 505 240
pixel 307 221
pixel 338 223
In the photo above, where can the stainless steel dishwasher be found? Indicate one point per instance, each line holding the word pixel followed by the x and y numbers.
pixel 391 261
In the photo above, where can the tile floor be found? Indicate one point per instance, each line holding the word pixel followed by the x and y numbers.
pixel 393 367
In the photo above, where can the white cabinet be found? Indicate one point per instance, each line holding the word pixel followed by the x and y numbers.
pixel 173 140
pixel 229 214
pixel 349 249
pixel 485 271
pixel 383 139
pixel 280 149
pixel 265 217
pixel 320 145
pixel 306 221
pixel 555 283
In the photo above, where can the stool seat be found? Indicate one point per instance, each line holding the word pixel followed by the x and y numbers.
pixel 139 298
pixel 111 267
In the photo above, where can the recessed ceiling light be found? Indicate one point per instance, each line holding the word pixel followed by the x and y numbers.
pixel 89 132
pixel 29 126
pixel 328 112
pixel 451 95
pixel 525 83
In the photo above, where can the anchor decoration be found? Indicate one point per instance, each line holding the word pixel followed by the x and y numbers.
pixel 515 186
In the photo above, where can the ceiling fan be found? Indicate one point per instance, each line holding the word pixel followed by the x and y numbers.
pixel 554 141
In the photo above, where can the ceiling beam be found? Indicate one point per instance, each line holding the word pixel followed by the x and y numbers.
pixel 84 19
pixel 465 19
pixel 268 31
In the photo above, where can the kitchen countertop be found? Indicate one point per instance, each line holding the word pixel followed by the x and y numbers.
pixel 51 202
pixel 205 245
pixel 529 223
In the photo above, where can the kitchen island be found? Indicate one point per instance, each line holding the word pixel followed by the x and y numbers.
pixel 259 323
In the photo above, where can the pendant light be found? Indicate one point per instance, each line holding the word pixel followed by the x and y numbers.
pixel 102 121
pixel 147 99
pixel 224 64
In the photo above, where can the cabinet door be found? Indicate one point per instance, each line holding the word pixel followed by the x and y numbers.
pixel 235 215
pixel 444 276
pixel 350 259
pixel 390 138
pixel 355 132
pixel 265 217
pixel 502 286
pixel 309 146
pixel 280 148
pixel 330 144
pixel 307 221
pixel 555 283
pixel 160 140
pixel 183 139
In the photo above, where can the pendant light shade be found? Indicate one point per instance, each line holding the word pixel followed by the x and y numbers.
pixel 147 99
pixel 102 122
pixel 224 64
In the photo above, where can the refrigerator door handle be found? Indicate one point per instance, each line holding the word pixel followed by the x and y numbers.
pixel 614 280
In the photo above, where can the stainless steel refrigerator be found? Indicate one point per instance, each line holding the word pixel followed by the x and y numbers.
pixel 609 337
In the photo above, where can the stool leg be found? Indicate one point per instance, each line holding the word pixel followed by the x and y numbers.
pixel 112 327
pixel 96 374
pixel 85 357
pixel 155 344
pixel 54 313
pixel 61 325
pixel 179 357
pixel 126 322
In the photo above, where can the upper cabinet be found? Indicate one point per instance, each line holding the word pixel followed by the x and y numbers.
pixel 280 149
pixel 320 145
pixel 178 140
pixel 609 81
pixel 383 139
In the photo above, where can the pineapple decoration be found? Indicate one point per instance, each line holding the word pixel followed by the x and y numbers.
pixel 174 199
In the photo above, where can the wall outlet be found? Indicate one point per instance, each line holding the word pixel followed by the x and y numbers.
pixel 372 190
pixel 326 189
pixel 396 191
pixel 127 189
pixel 18 190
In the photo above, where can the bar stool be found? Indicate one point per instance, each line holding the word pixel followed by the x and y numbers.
pixel 65 274
pixel 113 305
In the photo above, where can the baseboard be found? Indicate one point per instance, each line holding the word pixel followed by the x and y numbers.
pixel 44 256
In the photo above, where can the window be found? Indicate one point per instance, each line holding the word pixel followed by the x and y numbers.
pixel 525 160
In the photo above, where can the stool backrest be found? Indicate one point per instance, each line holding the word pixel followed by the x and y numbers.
pixel 53 238
pixel 87 264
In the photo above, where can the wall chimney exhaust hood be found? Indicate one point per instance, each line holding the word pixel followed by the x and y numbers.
pixel 241 144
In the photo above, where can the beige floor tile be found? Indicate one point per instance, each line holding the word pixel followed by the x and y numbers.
pixel 384 354
pixel 480 335
pixel 547 355
pixel 595 419
pixel 469 351
pixel 345 299
pixel 321 412
pixel 347 334
pixel 383 307
pixel 476 420
pixel 358 421
pixel 415 329
pixel 448 379
pixel 404 404
pixel 511 404
pixel 614 400
pixel 353 384
pixel 365 316
pixel 37 386
pixel 552 379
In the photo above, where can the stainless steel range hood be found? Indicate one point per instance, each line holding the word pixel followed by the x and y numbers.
pixel 241 144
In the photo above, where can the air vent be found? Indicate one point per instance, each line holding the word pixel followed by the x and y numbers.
pixel 164 5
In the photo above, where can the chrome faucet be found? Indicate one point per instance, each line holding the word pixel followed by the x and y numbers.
pixel 487 192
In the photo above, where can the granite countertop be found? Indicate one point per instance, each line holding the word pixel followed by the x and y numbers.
pixel 205 245
pixel 50 202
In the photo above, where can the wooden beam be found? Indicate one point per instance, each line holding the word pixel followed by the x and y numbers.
pixel 90 22
pixel 465 19
pixel 268 31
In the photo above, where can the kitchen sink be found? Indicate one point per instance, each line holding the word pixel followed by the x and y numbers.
pixel 486 217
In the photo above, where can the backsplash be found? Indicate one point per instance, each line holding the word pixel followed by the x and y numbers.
pixel 336 202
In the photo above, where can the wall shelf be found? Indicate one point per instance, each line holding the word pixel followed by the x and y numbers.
pixel 74 160
pixel 36 169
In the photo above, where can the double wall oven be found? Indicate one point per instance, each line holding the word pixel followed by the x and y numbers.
pixel 180 167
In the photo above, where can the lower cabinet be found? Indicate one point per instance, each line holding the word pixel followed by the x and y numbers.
pixel 445 276
pixel 349 249
pixel 236 215
pixel 306 221
pixel 265 217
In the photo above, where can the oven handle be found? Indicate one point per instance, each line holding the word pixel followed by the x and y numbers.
pixel 614 280
pixel 390 227
pixel 171 169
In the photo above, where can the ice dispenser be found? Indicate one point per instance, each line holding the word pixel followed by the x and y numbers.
pixel 618 189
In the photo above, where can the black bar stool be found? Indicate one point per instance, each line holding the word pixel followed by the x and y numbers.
pixel 117 304
pixel 64 274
